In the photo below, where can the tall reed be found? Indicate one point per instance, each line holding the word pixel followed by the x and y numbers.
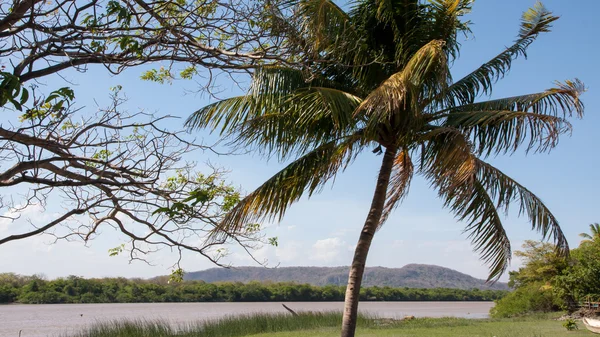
pixel 232 326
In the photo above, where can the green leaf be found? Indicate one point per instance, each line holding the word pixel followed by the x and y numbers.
pixel 117 250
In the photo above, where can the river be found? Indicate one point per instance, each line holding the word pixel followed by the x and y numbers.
pixel 41 320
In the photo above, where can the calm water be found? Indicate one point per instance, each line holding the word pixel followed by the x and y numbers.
pixel 54 319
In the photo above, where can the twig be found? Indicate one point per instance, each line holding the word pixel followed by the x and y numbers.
pixel 290 310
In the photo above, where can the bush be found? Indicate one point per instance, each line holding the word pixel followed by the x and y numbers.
pixel 570 324
pixel 533 297
pixel 8 294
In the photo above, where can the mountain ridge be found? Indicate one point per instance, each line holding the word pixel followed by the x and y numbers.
pixel 410 276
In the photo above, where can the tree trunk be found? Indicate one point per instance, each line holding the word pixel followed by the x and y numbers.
pixel 364 242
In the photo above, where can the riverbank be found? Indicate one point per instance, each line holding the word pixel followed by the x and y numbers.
pixel 42 320
pixel 327 324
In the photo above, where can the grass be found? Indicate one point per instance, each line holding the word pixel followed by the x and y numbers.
pixel 233 326
pixel 325 324
pixel 476 329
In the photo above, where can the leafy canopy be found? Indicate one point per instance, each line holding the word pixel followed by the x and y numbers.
pixel 380 77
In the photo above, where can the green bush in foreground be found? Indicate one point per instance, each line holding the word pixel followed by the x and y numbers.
pixel 525 300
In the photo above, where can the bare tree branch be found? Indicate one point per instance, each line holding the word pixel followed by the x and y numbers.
pixel 39 38
pixel 113 170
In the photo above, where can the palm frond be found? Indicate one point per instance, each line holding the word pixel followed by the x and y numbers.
pixel 393 31
pixel 534 21
pixel 445 152
pixel 494 132
pixel 385 10
pixel 320 103
pixel 446 24
pixel 325 22
pixel 447 162
pixel 308 118
pixel 226 115
pixel 461 178
pixel 595 233
pixel 268 93
pixel 595 229
pixel 277 81
pixel 396 100
pixel 402 174
pixel 285 26
pixel 333 36
pixel 501 126
pixel 562 100
pixel 306 174
pixel 506 190
pixel 472 204
pixel 428 67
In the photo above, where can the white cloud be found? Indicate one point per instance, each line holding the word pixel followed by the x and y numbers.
pixel 328 250
pixel 16 218
pixel 288 251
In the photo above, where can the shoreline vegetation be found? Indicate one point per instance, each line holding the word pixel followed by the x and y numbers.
pixel 36 290
pixel 327 324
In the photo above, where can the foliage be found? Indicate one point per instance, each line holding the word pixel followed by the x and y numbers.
pixel 11 91
pixel 580 281
pixel 40 38
pixel 534 282
pixel 381 78
pixel 106 168
pixel 594 234
pixel 541 265
pixel 111 169
pixel 531 298
pixel 549 282
pixel 402 99
pixel 34 290
pixel 570 324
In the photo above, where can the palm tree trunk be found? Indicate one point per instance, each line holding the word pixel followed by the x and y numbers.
pixel 364 243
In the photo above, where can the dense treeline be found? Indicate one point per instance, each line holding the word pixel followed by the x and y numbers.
pixel 550 282
pixel 34 290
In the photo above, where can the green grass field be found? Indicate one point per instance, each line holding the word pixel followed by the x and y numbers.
pixel 479 328
pixel 327 325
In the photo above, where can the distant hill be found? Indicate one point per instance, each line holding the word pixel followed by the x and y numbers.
pixel 411 276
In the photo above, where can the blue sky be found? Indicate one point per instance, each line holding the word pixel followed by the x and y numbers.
pixel 323 230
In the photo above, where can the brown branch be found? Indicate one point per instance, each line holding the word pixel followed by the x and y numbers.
pixel 290 310
pixel 18 13
pixel 50 37
pixel 42 229
pixel 119 184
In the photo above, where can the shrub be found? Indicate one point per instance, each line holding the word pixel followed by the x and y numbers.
pixel 533 297
pixel 570 324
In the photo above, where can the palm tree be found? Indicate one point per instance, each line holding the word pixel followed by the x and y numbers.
pixel 595 233
pixel 380 78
